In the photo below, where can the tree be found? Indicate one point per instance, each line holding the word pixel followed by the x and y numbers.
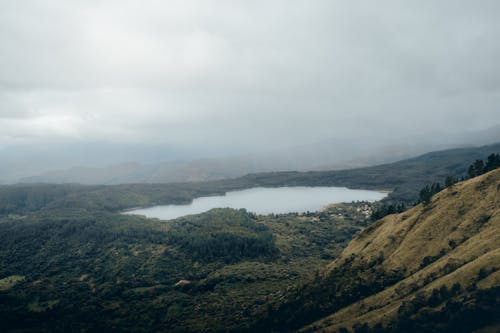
pixel 492 162
pixel 449 181
pixel 471 171
pixel 479 167
pixel 436 188
pixel 425 195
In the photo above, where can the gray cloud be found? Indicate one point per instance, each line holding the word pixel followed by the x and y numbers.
pixel 247 74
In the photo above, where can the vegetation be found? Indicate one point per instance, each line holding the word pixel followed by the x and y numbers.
pixel 71 269
pixel 391 275
pixel 71 262
pixel 222 234
pixel 444 310
pixel 454 311
pixel 479 167
pixel 476 169
pixel 428 191
pixel 382 210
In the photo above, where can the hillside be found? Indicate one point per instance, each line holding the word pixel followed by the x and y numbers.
pixel 432 267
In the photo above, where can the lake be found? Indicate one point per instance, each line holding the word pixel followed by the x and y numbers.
pixel 263 200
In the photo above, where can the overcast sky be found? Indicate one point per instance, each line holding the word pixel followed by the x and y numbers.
pixel 245 73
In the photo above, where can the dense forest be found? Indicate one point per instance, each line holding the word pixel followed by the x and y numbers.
pixel 219 270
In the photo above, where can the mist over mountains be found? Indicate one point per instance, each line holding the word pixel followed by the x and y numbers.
pixel 117 164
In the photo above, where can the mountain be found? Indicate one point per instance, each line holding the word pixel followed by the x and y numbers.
pixel 435 267
pixel 321 156
pixel 111 164
pixel 208 169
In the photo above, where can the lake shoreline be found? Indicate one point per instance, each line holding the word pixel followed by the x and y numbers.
pixel 264 201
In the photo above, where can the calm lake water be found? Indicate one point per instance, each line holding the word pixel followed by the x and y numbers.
pixel 261 200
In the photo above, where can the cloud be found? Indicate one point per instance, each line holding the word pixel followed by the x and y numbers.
pixel 252 74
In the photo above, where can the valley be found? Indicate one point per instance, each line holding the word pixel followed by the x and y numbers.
pixel 273 166
pixel 71 261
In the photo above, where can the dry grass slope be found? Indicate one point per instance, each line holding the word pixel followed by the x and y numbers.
pixel 448 241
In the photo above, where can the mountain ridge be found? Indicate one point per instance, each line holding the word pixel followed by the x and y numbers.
pixel 324 156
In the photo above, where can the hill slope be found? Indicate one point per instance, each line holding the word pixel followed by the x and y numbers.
pixel 431 267
pixel 455 240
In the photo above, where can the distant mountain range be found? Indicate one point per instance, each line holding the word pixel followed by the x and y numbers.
pixel 119 163
pixel 334 154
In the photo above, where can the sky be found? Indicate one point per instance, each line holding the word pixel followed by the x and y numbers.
pixel 244 75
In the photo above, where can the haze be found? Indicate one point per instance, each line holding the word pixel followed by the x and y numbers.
pixel 94 83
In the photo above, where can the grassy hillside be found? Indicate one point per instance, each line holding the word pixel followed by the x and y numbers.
pixel 433 267
pixel 404 178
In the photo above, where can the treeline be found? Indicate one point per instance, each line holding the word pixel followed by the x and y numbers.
pixel 479 167
pixel 388 209
pixel 426 193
